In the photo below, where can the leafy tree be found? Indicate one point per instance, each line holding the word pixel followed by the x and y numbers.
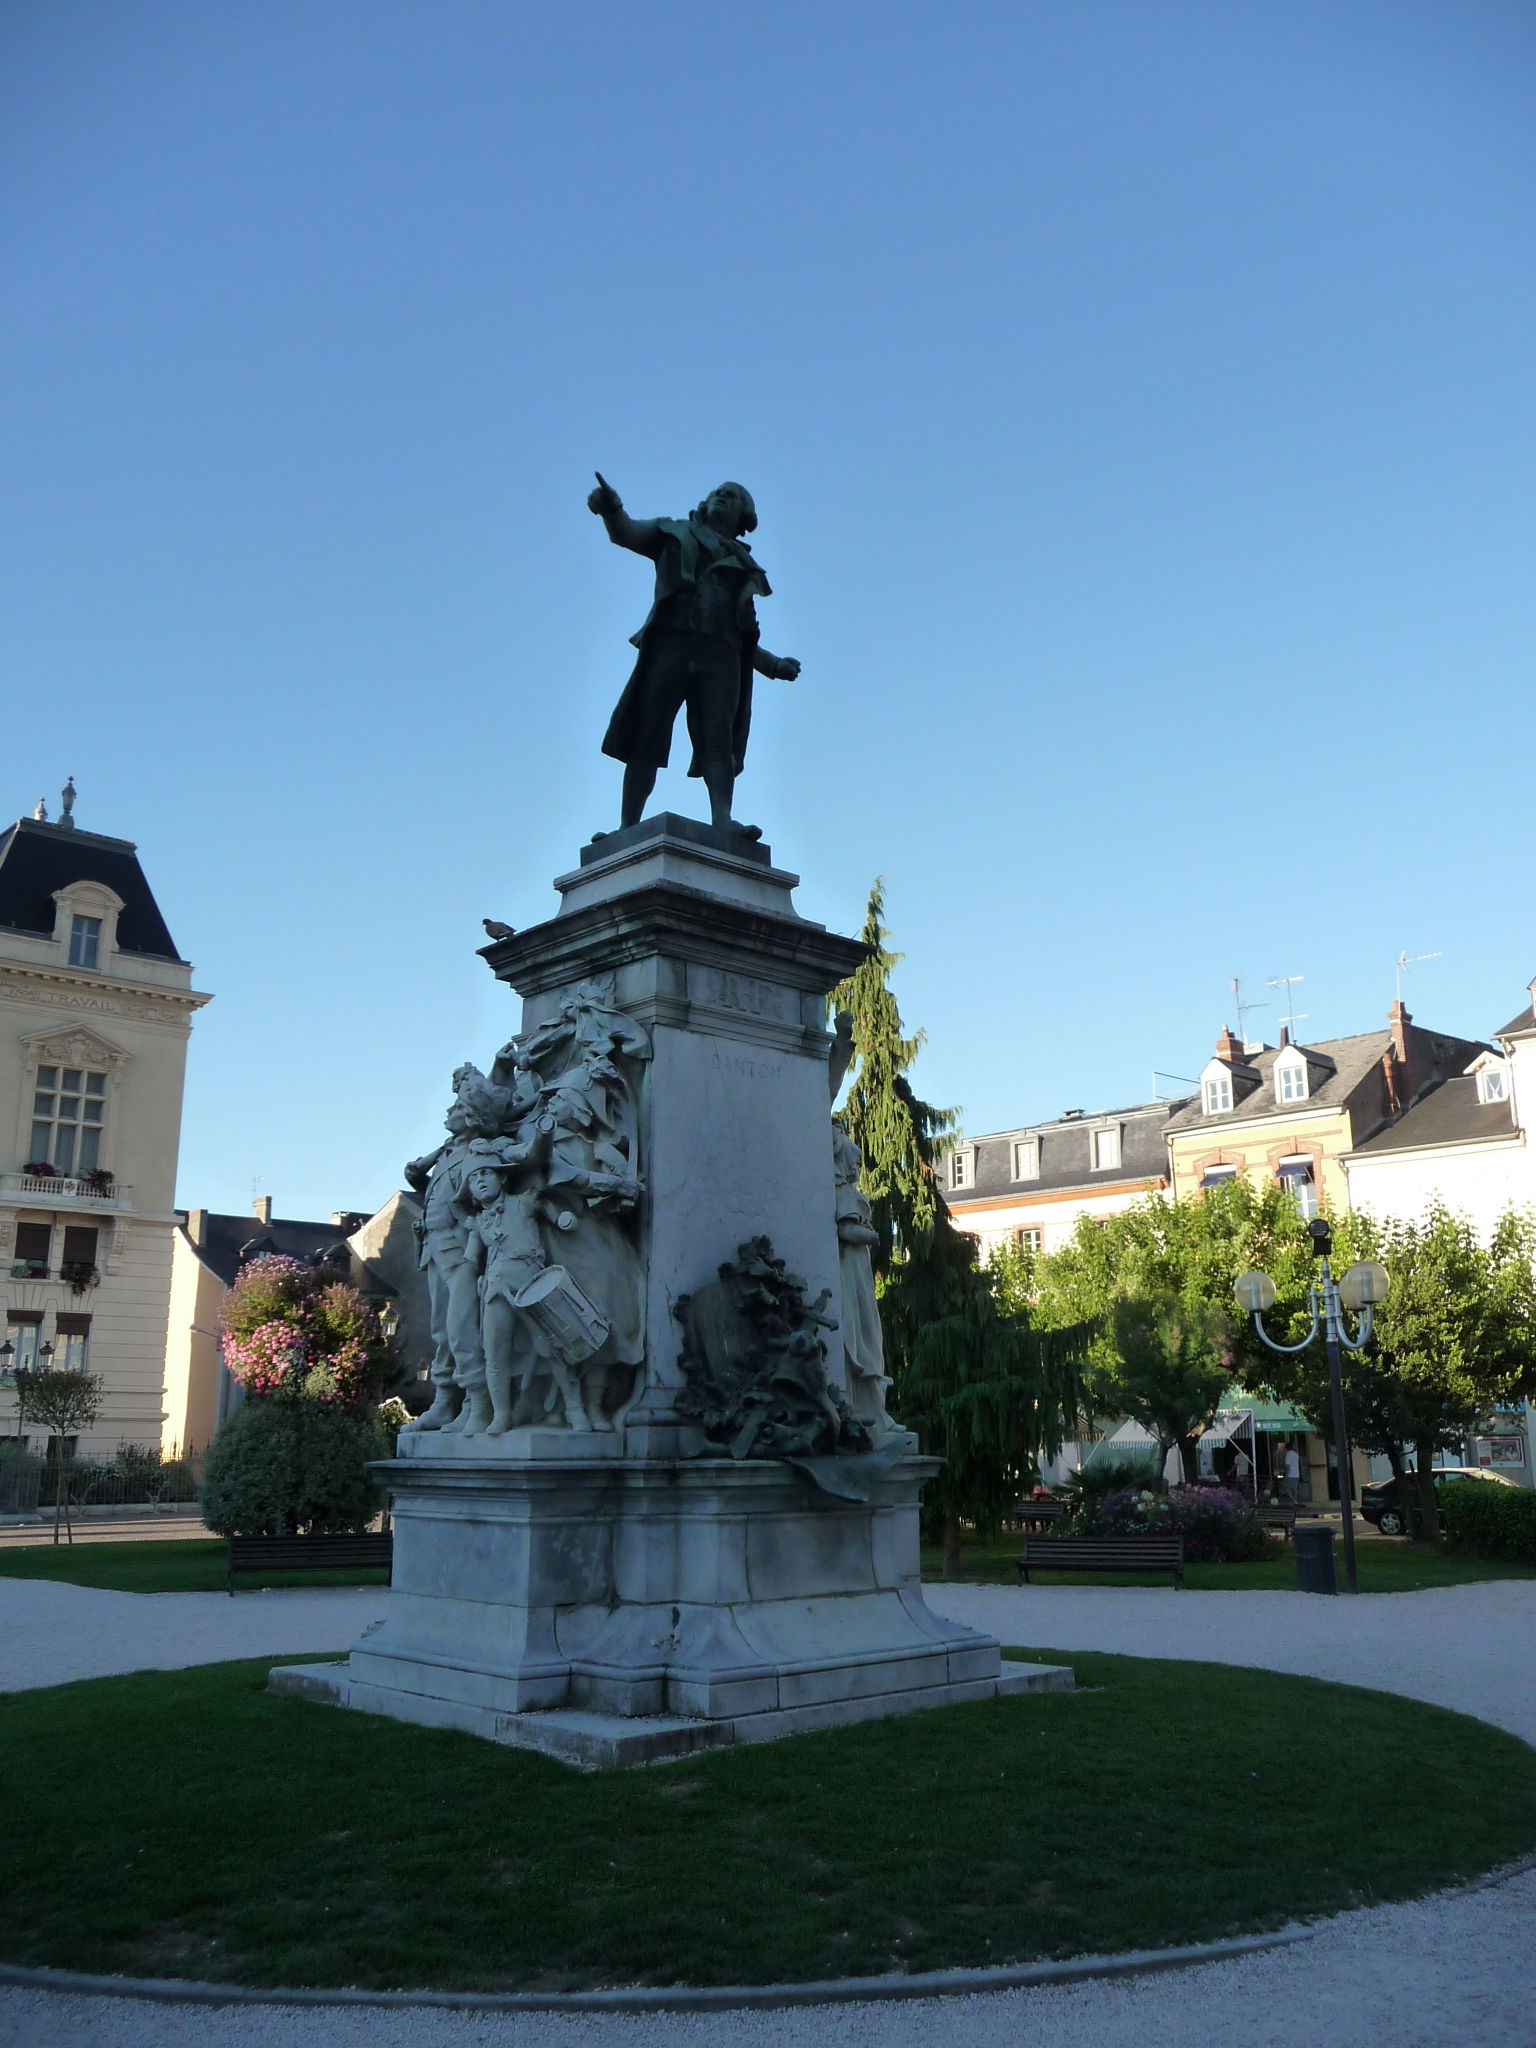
pixel 984 1390
pixel 1455 1337
pixel 64 1402
pixel 1166 1364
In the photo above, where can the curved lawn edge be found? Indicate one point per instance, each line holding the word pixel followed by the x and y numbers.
pixel 682 1997
pixel 349 1968
pixel 726 1997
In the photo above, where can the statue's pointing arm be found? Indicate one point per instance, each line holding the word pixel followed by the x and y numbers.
pixel 642 536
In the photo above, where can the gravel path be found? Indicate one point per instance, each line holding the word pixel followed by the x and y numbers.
pixel 1426 1975
pixel 1468 1647
pixel 51 1633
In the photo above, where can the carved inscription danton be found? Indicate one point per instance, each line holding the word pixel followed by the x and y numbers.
pixel 742 1067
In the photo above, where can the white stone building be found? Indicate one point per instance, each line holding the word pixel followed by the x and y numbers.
pixel 95 1011
pixel 1467 1146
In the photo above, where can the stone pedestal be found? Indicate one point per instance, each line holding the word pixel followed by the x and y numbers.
pixel 627 1611
pixel 696 934
pixel 618 1596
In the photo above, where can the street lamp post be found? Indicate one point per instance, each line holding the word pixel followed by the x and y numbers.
pixel 1361 1288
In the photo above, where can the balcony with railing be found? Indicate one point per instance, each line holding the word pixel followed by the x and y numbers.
pixel 65 1191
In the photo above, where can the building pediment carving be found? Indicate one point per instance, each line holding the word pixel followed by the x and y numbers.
pixel 76 1048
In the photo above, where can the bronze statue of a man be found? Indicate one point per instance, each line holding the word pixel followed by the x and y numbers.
pixel 699 647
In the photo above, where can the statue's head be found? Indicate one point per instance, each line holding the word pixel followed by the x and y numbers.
pixel 729 509
pixel 478 1104
pixel 490 1164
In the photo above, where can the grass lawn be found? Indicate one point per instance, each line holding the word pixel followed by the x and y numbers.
pixel 162 1564
pixel 189 1823
pixel 1385 1567
pixel 195 1564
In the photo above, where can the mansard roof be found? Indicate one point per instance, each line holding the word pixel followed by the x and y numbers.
pixel 1066 1155
pixel 37 860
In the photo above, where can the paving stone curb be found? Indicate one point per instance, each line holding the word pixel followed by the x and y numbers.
pixel 681 1998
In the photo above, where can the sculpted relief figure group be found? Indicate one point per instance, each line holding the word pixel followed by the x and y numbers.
pixel 527 1232
pixel 529 1245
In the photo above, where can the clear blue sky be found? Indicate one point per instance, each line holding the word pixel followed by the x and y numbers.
pixel 1139 403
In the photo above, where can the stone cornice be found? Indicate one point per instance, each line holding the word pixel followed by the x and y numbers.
pixel 686 924
pixel 96 994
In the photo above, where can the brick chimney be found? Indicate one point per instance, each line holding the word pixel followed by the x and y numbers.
pixel 261 1208
pixel 1397 1060
pixel 197 1226
pixel 1229 1047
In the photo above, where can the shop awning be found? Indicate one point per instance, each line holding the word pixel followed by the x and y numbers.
pixel 1270 1418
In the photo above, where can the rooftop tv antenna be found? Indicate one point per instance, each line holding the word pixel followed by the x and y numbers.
pixel 1161 1074
pixel 1402 963
pixel 1292 1016
pixel 1242 1009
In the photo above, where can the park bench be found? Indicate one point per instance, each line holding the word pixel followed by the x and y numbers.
pixel 345 1552
pixel 1040 1514
pixel 1279 1515
pixel 1103 1554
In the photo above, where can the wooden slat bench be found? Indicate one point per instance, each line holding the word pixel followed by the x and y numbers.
pixel 1103 1554
pixel 1039 1514
pixel 339 1553
pixel 1280 1516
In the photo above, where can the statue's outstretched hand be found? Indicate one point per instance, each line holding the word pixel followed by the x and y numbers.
pixel 786 668
pixel 605 500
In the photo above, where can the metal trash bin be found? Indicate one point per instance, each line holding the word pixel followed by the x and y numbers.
pixel 1314 1559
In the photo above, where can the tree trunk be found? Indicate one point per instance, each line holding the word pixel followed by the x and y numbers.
pixel 1188 1448
pixel 951 1557
pixel 1426 1506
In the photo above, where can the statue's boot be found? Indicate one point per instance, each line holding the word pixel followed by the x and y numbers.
pixel 478 1413
pixel 445 1406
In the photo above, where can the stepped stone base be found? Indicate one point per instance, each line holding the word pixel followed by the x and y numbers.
pixel 607 1742
pixel 617 1610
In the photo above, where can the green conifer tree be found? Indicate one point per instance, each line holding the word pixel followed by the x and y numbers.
pixel 984 1391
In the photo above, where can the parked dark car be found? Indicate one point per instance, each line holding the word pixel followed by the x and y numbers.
pixel 1379 1501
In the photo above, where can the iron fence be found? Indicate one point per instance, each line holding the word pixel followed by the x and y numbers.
pixel 61 1482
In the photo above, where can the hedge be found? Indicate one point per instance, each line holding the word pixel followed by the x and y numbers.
pixel 278 1466
pixel 1488 1520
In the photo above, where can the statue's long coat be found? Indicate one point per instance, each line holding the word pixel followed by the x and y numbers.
pixel 679 553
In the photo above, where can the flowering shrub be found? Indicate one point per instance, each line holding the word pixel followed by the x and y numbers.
pixel 1218 1525
pixel 291 1332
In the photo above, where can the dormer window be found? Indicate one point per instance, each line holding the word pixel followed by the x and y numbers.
pixel 1291 1079
pixel 1216 1093
pixel 1026 1158
pixel 84 941
pixel 962 1166
pixel 1493 1082
pixel 1106 1149
pixel 85 924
